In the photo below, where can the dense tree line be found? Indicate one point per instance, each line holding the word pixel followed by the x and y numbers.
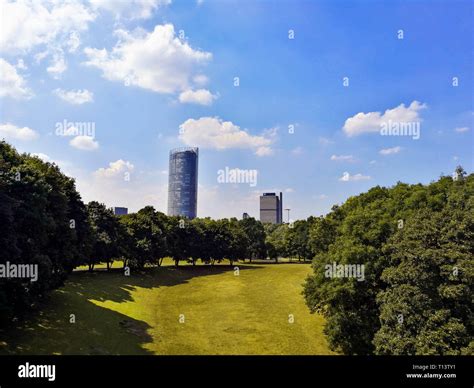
pixel 45 223
pixel 416 243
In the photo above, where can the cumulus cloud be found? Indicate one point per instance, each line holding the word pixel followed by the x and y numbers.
pixel 346 177
pixel 129 9
pixel 75 97
pixel 115 169
pixel 12 84
pixel 390 151
pixel 84 143
pixel 212 132
pixel 343 158
pixel 157 60
pixel 12 132
pixel 371 122
pixel 27 24
pixel 200 96
pixel 461 129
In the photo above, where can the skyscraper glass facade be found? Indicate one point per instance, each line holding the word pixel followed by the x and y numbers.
pixel 182 182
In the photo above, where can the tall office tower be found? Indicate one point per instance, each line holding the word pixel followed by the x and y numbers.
pixel 120 211
pixel 271 208
pixel 183 182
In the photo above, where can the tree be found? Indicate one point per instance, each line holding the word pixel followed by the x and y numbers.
pixel 105 229
pixel 297 236
pixel 361 315
pixel 147 238
pixel 427 308
pixel 256 235
pixel 275 240
pixel 43 223
pixel 238 242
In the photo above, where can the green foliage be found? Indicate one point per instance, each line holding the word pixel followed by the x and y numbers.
pixel 146 241
pixel 410 239
pixel 43 222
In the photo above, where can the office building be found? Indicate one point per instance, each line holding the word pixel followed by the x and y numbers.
pixel 183 182
pixel 120 211
pixel 245 215
pixel 271 208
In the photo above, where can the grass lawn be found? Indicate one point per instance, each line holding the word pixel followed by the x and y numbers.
pixel 221 313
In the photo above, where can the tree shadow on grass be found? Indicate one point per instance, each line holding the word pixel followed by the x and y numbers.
pixel 114 286
pixel 50 328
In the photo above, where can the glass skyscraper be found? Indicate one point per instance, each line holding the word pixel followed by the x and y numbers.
pixel 182 182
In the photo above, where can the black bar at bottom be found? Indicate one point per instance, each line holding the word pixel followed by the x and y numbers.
pixel 318 371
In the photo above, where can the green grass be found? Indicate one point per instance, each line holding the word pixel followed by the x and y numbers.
pixel 223 313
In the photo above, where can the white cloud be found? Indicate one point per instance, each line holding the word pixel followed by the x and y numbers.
pixel 43 157
pixel 111 186
pixel 130 9
pixel 27 24
pixel 346 177
pixel 73 42
pixel 461 129
pixel 12 132
pixel 343 158
pixel 20 64
pixel 200 79
pixel 264 151
pixel 212 132
pixel 390 151
pixel 76 97
pixel 58 65
pixel 157 60
pixel 12 84
pixel 200 96
pixel 115 169
pixel 85 143
pixel 371 122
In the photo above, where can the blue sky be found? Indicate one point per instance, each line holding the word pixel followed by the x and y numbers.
pixel 155 75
